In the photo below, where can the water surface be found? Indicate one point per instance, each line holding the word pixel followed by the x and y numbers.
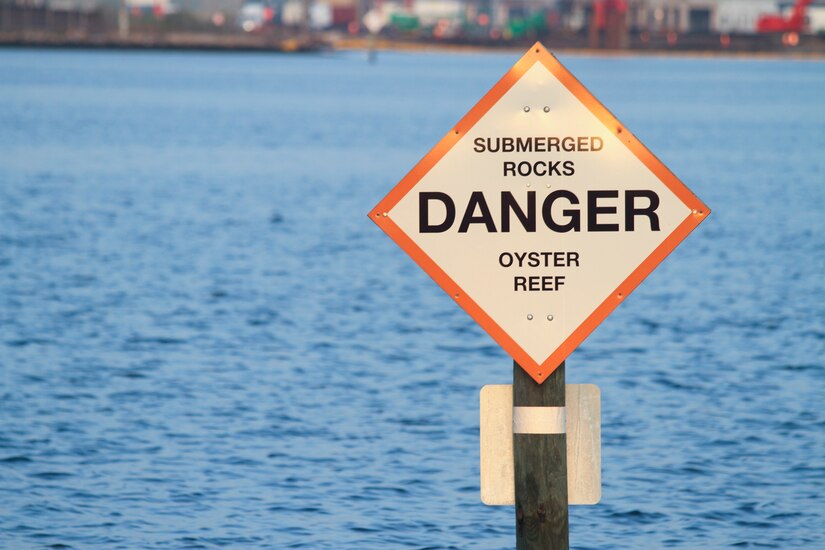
pixel 205 343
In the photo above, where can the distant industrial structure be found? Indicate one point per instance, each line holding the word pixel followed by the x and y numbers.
pixel 448 16
pixel 614 24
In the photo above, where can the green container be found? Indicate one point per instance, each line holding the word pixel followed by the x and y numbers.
pixel 404 22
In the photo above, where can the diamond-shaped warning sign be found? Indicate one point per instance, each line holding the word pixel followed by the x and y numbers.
pixel 538 213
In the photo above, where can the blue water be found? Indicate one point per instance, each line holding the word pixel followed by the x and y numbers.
pixel 204 342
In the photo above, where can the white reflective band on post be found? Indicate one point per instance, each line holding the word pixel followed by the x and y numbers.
pixel 539 420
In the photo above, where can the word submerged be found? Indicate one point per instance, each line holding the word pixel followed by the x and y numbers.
pixel 538 144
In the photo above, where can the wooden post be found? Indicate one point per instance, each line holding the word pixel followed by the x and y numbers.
pixel 540 462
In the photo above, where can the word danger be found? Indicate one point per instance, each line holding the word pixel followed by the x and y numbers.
pixel 561 211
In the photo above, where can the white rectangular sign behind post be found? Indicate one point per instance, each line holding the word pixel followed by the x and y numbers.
pixel 583 428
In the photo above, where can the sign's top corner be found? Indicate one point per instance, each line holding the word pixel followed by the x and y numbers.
pixel 539 47
pixel 538 53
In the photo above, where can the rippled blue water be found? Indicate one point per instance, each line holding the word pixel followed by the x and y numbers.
pixel 204 342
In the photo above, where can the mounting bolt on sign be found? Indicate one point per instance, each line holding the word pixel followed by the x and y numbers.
pixel 553 213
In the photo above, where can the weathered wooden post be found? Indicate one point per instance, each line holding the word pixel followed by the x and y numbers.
pixel 540 454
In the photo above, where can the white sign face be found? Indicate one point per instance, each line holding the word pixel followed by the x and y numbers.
pixel 539 213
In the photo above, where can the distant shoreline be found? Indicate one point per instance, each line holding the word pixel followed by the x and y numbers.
pixel 330 42
pixel 167 41
pixel 394 45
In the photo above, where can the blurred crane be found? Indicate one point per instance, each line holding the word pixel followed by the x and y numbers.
pixel 776 23
pixel 608 24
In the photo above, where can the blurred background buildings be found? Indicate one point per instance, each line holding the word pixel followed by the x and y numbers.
pixel 614 24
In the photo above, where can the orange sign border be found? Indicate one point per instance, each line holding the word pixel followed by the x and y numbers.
pixel 539 54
